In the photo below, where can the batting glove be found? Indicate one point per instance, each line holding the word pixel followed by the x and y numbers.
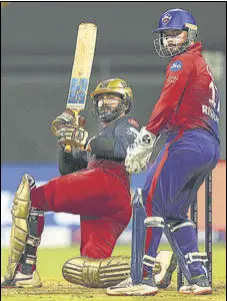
pixel 70 134
pixel 67 117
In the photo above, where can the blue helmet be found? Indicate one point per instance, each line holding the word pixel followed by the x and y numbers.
pixel 175 19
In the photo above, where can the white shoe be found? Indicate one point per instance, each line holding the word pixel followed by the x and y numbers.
pixel 126 288
pixel 201 287
pixel 125 283
pixel 23 281
pixel 195 290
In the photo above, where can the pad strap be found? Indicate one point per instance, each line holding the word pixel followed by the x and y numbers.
pixel 149 261
pixel 186 223
pixel 195 257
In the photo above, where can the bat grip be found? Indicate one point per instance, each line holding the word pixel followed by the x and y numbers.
pixel 80 121
pixel 68 148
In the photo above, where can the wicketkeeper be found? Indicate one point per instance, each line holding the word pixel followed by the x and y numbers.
pixel 188 112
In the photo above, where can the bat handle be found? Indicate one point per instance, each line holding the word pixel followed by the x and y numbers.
pixel 80 121
pixel 68 148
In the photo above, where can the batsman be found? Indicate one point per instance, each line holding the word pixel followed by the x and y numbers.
pixel 94 184
pixel 188 112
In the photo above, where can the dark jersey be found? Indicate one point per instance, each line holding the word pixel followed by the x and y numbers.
pixel 108 149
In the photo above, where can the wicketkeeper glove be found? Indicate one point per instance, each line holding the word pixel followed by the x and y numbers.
pixel 70 134
pixel 139 153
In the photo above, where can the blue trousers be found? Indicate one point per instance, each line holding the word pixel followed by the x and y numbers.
pixel 178 171
pixel 172 184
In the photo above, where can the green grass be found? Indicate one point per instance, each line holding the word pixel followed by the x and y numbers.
pixel 55 288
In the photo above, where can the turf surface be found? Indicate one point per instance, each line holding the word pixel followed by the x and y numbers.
pixel 55 288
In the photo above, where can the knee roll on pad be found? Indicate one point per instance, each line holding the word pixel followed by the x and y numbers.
pixel 97 273
pixel 154 221
pixel 174 226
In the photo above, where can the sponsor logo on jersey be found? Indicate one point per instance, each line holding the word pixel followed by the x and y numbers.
pixel 133 122
pixel 176 65
pixel 172 79
pixel 166 18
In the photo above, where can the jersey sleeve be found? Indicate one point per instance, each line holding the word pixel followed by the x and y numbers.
pixel 126 132
pixel 114 147
pixel 71 162
pixel 177 75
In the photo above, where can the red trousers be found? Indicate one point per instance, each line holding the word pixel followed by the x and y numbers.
pixel 100 198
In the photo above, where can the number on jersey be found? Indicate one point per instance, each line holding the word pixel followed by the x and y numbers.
pixel 214 100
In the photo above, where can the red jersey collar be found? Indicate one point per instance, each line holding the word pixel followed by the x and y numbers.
pixel 195 47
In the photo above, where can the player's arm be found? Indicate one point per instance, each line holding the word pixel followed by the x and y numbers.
pixel 115 148
pixel 69 129
pixel 177 76
pixel 71 162
pixel 77 159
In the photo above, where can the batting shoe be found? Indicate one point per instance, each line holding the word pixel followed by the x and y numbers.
pixel 168 264
pixel 23 281
pixel 126 288
pixel 200 287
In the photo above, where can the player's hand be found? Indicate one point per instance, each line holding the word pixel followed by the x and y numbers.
pixel 70 134
pixel 67 117
pixel 139 153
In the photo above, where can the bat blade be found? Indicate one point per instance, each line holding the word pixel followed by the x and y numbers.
pixel 82 66
pixel 81 71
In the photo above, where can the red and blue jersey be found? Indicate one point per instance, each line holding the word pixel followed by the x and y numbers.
pixel 189 98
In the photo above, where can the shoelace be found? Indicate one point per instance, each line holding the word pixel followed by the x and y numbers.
pixel 127 282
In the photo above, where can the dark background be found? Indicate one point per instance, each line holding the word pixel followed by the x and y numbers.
pixel 37 49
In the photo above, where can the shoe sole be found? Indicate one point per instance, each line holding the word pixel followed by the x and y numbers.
pixel 125 294
pixel 205 292
pixel 19 286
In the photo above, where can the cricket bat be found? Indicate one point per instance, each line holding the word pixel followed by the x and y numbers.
pixel 81 70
